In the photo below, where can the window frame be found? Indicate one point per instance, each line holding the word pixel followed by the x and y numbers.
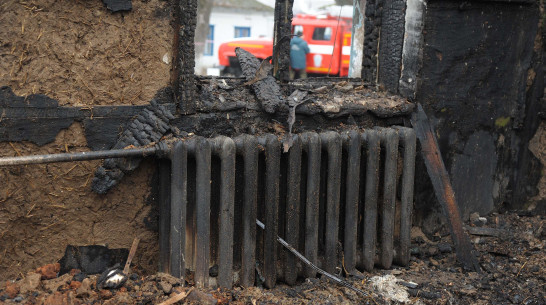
pixel 237 29
pixel 209 40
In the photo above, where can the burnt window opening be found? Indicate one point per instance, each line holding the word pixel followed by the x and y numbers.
pixel 366 43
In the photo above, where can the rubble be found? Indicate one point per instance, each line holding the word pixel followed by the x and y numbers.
pixel 513 272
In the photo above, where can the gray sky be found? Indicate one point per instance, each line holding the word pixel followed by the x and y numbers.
pixel 315 7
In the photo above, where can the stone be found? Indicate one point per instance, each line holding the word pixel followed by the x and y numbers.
pixel 122 298
pixel 166 287
pixel 85 289
pixel 12 289
pixel 105 294
pixel 54 284
pixel 445 248
pixel 164 277
pixel 75 285
pixel 59 298
pixel 79 277
pixel 432 251
pixel 49 271
pixel 476 220
pixel 468 290
pixel 30 282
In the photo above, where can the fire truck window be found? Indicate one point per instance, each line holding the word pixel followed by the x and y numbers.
pixel 322 34
pixel 297 29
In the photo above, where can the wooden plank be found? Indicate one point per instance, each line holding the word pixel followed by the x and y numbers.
pixel 442 188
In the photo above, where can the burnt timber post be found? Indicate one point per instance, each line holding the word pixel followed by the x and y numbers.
pixel 183 77
pixel 283 27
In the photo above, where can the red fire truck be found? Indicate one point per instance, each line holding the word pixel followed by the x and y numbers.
pixel 328 37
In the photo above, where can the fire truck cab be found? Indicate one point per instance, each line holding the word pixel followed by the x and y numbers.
pixel 328 37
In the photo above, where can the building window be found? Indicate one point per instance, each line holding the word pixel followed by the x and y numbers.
pixel 241 31
pixel 209 43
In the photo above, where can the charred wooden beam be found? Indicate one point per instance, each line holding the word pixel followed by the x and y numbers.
pixel 265 86
pixel 183 78
pixel 442 188
pixel 283 28
pixel 391 42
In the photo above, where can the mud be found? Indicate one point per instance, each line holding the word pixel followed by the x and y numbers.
pixel 80 53
pixel 43 208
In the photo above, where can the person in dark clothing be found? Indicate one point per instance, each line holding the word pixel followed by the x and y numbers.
pixel 298 52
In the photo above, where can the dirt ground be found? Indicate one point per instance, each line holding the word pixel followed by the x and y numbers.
pixel 81 54
pixel 513 272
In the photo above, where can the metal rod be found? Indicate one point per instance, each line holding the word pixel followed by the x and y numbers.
pixel 80 156
pixel 313 266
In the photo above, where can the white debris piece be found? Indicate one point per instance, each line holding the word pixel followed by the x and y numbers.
pixel 387 286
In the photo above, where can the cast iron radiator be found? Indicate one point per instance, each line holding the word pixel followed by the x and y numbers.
pixel 333 196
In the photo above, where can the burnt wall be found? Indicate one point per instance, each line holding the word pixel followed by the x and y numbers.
pixel 480 84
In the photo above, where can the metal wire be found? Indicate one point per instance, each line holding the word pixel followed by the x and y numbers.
pixel 313 266
pixel 335 39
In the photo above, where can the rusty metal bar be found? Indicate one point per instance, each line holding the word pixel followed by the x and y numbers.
pixel 249 146
pixel 293 208
pixel 353 147
pixel 372 140
pixel 313 146
pixel 408 141
pixel 272 173
pixel 179 200
pixel 81 156
pixel 225 147
pixel 389 139
pixel 332 142
pixel 202 209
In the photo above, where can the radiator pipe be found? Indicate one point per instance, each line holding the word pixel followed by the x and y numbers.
pixel 84 156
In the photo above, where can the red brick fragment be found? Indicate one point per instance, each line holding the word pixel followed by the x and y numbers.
pixel 49 271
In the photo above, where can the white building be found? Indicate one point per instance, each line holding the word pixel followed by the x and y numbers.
pixel 231 19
